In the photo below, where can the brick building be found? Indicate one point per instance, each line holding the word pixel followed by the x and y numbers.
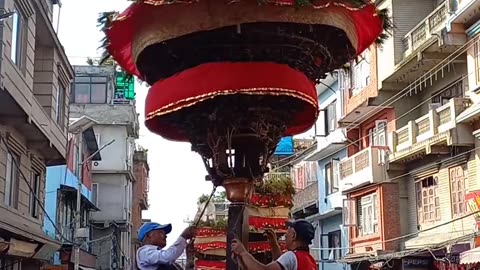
pixel 410 160
pixel 140 192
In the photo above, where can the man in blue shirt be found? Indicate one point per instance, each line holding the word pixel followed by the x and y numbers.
pixel 151 255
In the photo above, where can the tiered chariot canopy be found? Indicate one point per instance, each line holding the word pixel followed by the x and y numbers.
pixel 233 77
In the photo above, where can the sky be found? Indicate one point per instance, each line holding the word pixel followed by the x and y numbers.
pixel 177 175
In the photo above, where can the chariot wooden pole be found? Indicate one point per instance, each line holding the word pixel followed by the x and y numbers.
pixel 237 229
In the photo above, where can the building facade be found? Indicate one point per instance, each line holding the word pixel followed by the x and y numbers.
pixel 35 82
pixel 99 95
pixel 319 198
pixel 410 121
pixel 61 195
pixel 140 192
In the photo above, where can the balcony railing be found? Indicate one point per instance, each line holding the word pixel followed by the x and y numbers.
pixel 366 166
pixel 277 175
pixel 432 126
pixel 434 22
pixel 306 197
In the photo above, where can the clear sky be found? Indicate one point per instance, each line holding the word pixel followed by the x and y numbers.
pixel 176 174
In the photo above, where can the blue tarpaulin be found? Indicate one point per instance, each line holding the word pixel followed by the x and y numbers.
pixel 284 147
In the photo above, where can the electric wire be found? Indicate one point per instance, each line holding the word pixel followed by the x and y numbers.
pixel 32 191
pixel 395 98
pixel 395 119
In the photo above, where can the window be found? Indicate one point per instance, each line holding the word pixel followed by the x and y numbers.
pixel 428 202
pixel 90 90
pixel 331 177
pixel 95 194
pixel 331 118
pixel 360 73
pixel 97 137
pixel 377 136
pixel 77 158
pixel 35 181
pixel 367 215
pixel 457 190
pixel 60 109
pixel 477 60
pixel 335 244
pixel 344 79
pixel 12 180
pixel 10 263
pixel 19 24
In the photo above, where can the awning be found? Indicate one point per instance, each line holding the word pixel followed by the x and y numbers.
pixel 85 268
pixel 85 200
pixel 470 256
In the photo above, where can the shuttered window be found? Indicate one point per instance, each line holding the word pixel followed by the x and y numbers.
pixel 458 188
pixel 428 202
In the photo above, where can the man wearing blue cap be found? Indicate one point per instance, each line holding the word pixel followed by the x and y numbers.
pixel 151 255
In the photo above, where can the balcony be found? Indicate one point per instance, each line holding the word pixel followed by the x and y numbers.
pixel 426 29
pixel 430 133
pixel 428 46
pixel 306 200
pixel 366 166
pixel 277 175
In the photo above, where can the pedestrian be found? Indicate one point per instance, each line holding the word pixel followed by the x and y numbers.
pixel 299 236
pixel 153 236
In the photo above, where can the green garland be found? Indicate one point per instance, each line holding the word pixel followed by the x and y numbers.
pixel 217 225
pixel 280 185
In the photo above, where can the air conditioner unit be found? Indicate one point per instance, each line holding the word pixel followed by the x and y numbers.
pixel 82 233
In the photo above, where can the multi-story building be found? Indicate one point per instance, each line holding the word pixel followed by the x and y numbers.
pixel 61 195
pixel 410 160
pixel 99 94
pixel 35 82
pixel 140 192
pixel 319 197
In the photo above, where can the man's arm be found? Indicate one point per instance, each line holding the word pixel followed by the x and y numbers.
pixel 152 256
pixel 276 250
pixel 249 262
pixel 275 247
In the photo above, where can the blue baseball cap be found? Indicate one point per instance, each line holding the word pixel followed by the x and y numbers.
pixel 152 226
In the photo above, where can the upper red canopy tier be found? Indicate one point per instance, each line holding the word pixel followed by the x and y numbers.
pixel 229 90
pixel 150 22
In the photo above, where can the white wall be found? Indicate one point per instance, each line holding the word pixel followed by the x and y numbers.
pixel 112 196
pixel 114 156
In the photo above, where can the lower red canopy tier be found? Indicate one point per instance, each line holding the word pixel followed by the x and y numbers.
pixel 225 88
pixel 210 265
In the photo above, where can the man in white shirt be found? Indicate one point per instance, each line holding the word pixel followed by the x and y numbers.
pixel 151 255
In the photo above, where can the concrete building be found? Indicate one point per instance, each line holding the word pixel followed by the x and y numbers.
pixel 319 197
pixel 98 94
pixel 61 194
pixel 411 159
pixel 35 78
pixel 140 192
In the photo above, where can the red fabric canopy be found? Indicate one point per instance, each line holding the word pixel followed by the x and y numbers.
pixel 212 80
pixel 121 33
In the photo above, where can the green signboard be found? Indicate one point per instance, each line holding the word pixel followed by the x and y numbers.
pixel 125 87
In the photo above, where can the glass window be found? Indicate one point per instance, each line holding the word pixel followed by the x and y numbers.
pixel 90 90
pixel 99 93
pixel 18 36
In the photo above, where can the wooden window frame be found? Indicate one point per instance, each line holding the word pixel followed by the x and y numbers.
pixel 458 180
pixel 427 195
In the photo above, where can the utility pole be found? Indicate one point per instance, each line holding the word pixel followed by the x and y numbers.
pixel 79 203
